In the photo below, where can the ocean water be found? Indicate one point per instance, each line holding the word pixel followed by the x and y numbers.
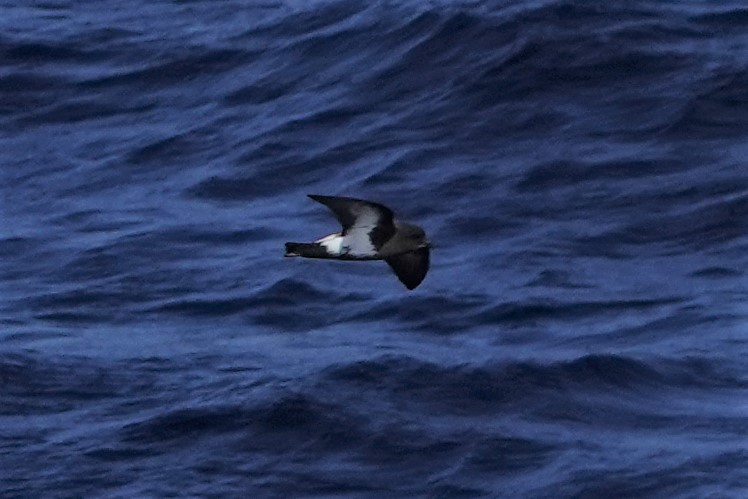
pixel 580 167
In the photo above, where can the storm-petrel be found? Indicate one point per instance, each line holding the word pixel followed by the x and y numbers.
pixel 370 232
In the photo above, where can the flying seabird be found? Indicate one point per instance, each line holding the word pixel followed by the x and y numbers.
pixel 370 232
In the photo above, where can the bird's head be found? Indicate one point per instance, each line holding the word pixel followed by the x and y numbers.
pixel 413 233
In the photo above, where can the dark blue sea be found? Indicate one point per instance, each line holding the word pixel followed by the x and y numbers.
pixel 580 167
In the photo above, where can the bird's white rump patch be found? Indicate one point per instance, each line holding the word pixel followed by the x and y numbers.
pixel 333 244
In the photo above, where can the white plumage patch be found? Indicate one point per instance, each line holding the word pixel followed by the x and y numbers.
pixel 357 238
pixel 356 243
pixel 332 243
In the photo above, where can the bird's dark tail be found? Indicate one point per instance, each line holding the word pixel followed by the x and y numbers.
pixel 307 250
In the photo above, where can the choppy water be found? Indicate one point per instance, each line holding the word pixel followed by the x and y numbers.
pixel 580 167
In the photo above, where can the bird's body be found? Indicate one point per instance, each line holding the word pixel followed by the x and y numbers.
pixel 370 232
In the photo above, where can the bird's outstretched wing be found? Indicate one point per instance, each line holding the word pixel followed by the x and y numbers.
pixel 367 225
pixel 410 267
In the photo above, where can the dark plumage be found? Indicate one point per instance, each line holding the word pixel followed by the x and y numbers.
pixel 370 232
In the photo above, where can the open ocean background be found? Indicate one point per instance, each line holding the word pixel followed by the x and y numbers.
pixel 580 166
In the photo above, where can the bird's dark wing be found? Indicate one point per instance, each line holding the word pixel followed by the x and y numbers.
pixel 410 267
pixel 358 216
